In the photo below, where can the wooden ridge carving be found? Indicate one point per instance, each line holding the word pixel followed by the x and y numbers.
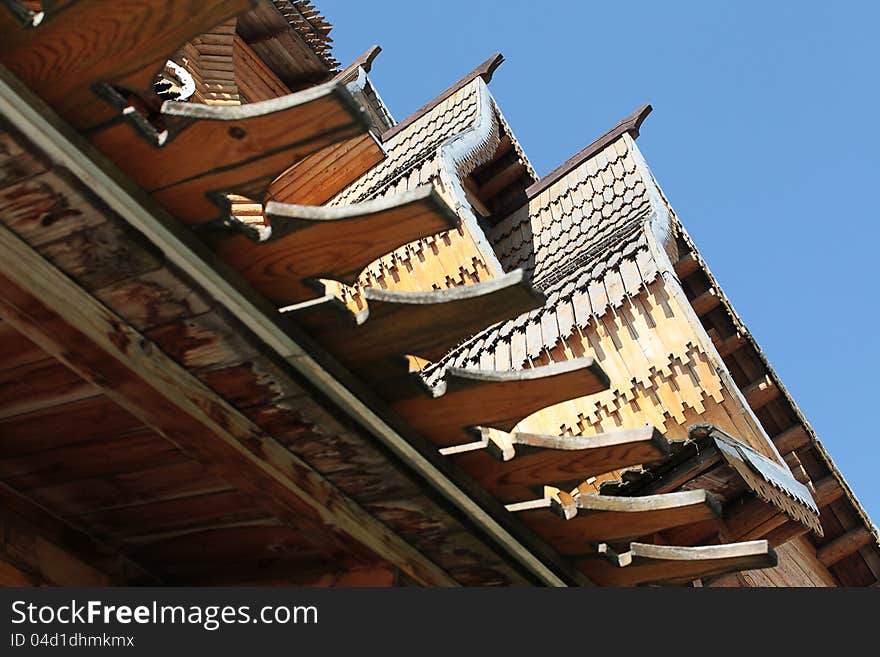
pixel 667 564
pixel 308 243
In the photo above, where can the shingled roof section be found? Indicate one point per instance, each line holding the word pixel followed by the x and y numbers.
pixel 572 239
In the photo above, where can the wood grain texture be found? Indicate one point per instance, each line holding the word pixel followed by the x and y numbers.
pixel 336 243
pixel 82 44
pixel 100 347
pixel 558 461
pixel 671 565
pixel 213 149
pixel 470 398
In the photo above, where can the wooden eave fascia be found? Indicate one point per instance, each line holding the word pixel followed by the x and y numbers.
pixel 30 116
pixel 484 71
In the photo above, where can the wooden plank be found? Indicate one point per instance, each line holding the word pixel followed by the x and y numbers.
pixel 308 243
pixel 38 543
pixel 322 175
pixel 603 518
pixel 82 44
pixel 669 481
pixel 666 564
pixel 69 324
pixel 59 425
pixel 137 486
pixel 40 385
pixel 215 149
pixel 423 324
pixel 186 512
pixel 827 490
pixel 470 398
pixel 706 302
pixel 556 461
pixel 844 545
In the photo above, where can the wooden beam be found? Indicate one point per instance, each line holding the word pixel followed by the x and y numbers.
pixel 506 176
pixel 214 149
pixel 791 439
pixel 603 518
pixel 706 302
pixel 671 565
pixel 751 518
pixel 684 472
pixel 827 490
pixel 46 550
pixel 423 324
pixel 308 243
pixel 71 325
pixel 469 398
pixel 786 532
pixel 844 545
pixel 686 265
pixel 730 344
pixel 555 460
pixel 760 392
pixel 81 45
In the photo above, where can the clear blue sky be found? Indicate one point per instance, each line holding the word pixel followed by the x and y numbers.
pixel 762 137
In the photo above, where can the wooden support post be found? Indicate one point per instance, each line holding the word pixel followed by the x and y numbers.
pixel 843 546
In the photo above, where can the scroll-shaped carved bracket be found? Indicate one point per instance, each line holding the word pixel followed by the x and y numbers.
pixel 602 518
pixel 424 324
pixel 529 461
pixel 667 564
pixel 307 243
pixel 77 46
pixel 470 398
pixel 211 150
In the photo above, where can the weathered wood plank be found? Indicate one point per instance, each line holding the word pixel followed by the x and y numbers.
pixel 603 518
pixel 82 44
pixel 36 542
pixel 555 460
pixel 308 243
pixel 214 149
pixel 667 564
pixel 40 385
pixel 470 398
pixel 69 324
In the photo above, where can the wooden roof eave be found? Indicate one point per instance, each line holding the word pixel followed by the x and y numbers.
pixel 63 146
